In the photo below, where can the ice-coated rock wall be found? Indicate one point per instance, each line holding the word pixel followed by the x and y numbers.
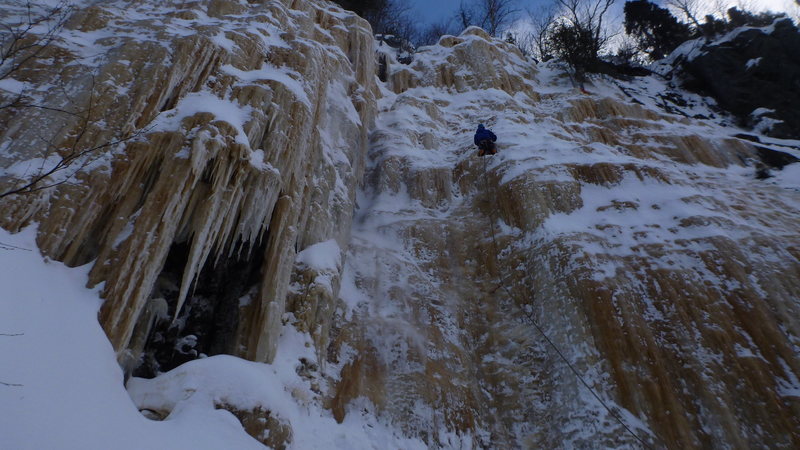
pixel 631 230
pixel 253 121
pixel 640 241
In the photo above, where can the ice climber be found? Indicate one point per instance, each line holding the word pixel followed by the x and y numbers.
pixel 484 139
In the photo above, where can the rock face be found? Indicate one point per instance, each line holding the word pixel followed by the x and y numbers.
pixel 754 74
pixel 255 119
pixel 638 242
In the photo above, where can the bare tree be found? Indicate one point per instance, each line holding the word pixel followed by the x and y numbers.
pixel 690 9
pixel 542 21
pixel 580 34
pixel 491 15
pixel 66 160
pixel 25 38
pixel 588 15
pixel 497 14
pixel 430 34
pixel 466 15
pixel 523 40
pixel 24 41
pixel 387 17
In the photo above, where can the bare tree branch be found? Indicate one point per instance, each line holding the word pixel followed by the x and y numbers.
pixel 491 15
pixel 689 8
pixel 73 156
pixel 580 34
pixel 542 21
pixel 21 42
pixel 24 42
pixel 5 246
pixel 497 14
pixel 466 15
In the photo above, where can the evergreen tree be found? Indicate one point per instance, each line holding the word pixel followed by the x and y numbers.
pixel 656 31
pixel 577 46
pixel 579 35
pixel 739 18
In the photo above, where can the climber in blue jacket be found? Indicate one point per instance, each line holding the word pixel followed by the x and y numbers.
pixel 484 139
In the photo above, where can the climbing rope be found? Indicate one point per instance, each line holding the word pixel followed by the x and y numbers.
pixel 529 314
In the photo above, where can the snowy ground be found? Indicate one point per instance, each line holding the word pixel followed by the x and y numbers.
pixel 68 390
pixel 62 387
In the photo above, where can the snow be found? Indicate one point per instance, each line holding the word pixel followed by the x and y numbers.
pixel 762 123
pixel 324 256
pixel 61 371
pixel 616 220
pixel 12 86
pixel 32 167
pixel 788 177
pixel 62 387
pixel 197 102
pixel 761 111
pixel 753 62
pixel 286 77
pixel 127 230
pixel 274 387
pixel 223 41
pixel 71 394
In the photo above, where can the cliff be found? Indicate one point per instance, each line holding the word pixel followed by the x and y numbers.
pixel 282 205
pixel 637 239
pixel 254 121
pixel 750 72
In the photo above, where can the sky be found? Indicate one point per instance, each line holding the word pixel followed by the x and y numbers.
pixel 434 10
pixel 431 11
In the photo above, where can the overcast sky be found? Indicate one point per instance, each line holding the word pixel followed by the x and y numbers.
pixel 430 11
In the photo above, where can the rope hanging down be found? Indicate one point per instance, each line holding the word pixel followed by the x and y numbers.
pixel 533 322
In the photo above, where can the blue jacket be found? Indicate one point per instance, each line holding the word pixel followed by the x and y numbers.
pixel 482 134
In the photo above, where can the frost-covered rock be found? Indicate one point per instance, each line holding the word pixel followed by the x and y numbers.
pixel 626 224
pixel 254 118
pixel 753 73
pixel 635 236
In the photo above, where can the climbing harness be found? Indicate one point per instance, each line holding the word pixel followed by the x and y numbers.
pixel 529 314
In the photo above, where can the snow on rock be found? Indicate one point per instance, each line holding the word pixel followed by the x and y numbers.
pixel 322 257
pixel 67 389
pixel 252 125
pixel 788 177
pixel 627 225
pixel 281 397
pixel 62 387
pixel 746 69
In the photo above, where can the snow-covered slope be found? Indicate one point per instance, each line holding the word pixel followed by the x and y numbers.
pixel 626 226
pixel 61 387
